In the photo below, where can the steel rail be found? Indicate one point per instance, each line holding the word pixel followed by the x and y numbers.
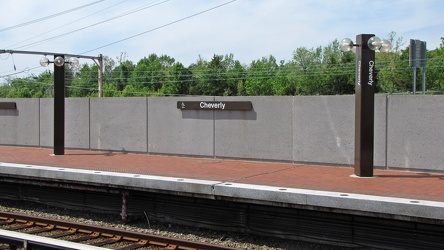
pixel 110 235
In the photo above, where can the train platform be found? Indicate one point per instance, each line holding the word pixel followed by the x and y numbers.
pixel 389 192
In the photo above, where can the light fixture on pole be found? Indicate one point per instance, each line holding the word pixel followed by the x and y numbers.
pixel 366 45
pixel 373 43
pixel 59 87
pixel 60 61
pixel 59 98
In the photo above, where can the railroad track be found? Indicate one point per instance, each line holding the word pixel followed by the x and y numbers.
pixel 92 236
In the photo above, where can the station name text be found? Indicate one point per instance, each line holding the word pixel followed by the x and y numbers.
pixel 206 105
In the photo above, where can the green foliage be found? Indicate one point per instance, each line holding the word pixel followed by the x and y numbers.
pixel 311 71
pixel 435 68
pixel 215 78
pixel 110 90
pixel 84 82
pixel 29 87
pixel 260 76
pixel 177 80
pixel 151 72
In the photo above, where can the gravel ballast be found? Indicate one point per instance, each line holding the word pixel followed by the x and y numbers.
pixel 230 239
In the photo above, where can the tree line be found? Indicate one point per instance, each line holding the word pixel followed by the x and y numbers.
pixel 311 71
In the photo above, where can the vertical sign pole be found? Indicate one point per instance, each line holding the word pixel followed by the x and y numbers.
pixel 423 65
pixel 100 74
pixel 59 108
pixel 364 107
pixel 415 70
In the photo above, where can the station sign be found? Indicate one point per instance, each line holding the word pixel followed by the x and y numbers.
pixel 210 105
pixel 8 105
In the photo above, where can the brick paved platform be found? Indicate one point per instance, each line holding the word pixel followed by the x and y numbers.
pixel 387 184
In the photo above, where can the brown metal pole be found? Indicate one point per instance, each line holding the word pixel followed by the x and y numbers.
pixel 364 107
pixel 59 108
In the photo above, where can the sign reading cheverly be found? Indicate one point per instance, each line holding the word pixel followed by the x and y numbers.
pixel 208 105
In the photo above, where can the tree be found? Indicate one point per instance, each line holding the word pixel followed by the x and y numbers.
pixel 307 64
pixel 307 59
pixel 110 90
pixel 150 72
pixel 282 83
pixel 198 70
pixel 123 73
pixel 178 80
pixel 338 69
pixel 210 78
pixel 260 76
pixel 393 72
pixel 435 68
pixel 85 82
pixel 235 74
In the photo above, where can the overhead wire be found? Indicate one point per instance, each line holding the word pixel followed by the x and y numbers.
pixel 159 27
pixel 155 3
pixel 48 17
pixel 59 27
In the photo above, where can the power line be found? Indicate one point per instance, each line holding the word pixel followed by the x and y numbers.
pixel 159 27
pixel 95 24
pixel 64 25
pixel 49 17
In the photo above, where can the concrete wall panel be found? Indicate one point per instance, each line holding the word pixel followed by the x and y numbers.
pixel 380 150
pixel 416 132
pixel 175 131
pixel 20 126
pixel 47 122
pixel 263 133
pixel 324 129
pixel 118 124
pixel 77 123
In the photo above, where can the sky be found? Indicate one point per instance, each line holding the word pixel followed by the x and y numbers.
pixel 191 29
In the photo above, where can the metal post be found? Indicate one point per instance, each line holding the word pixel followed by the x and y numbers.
pixel 59 109
pixel 423 80
pixel 100 74
pixel 415 70
pixel 124 213
pixel 364 107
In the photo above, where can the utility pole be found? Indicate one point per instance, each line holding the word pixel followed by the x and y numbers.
pixel 100 74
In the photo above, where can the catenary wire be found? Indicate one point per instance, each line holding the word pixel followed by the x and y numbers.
pixel 92 25
pixel 59 27
pixel 49 17
pixel 159 27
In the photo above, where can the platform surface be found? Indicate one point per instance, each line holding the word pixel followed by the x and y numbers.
pixel 408 188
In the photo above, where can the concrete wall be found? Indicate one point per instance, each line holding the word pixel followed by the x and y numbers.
pixel 263 133
pixel 409 130
pixel 173 131
pixel 76 122
pixel 20 126
pixel 416 132
pixel 119 124
pixel 323 129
